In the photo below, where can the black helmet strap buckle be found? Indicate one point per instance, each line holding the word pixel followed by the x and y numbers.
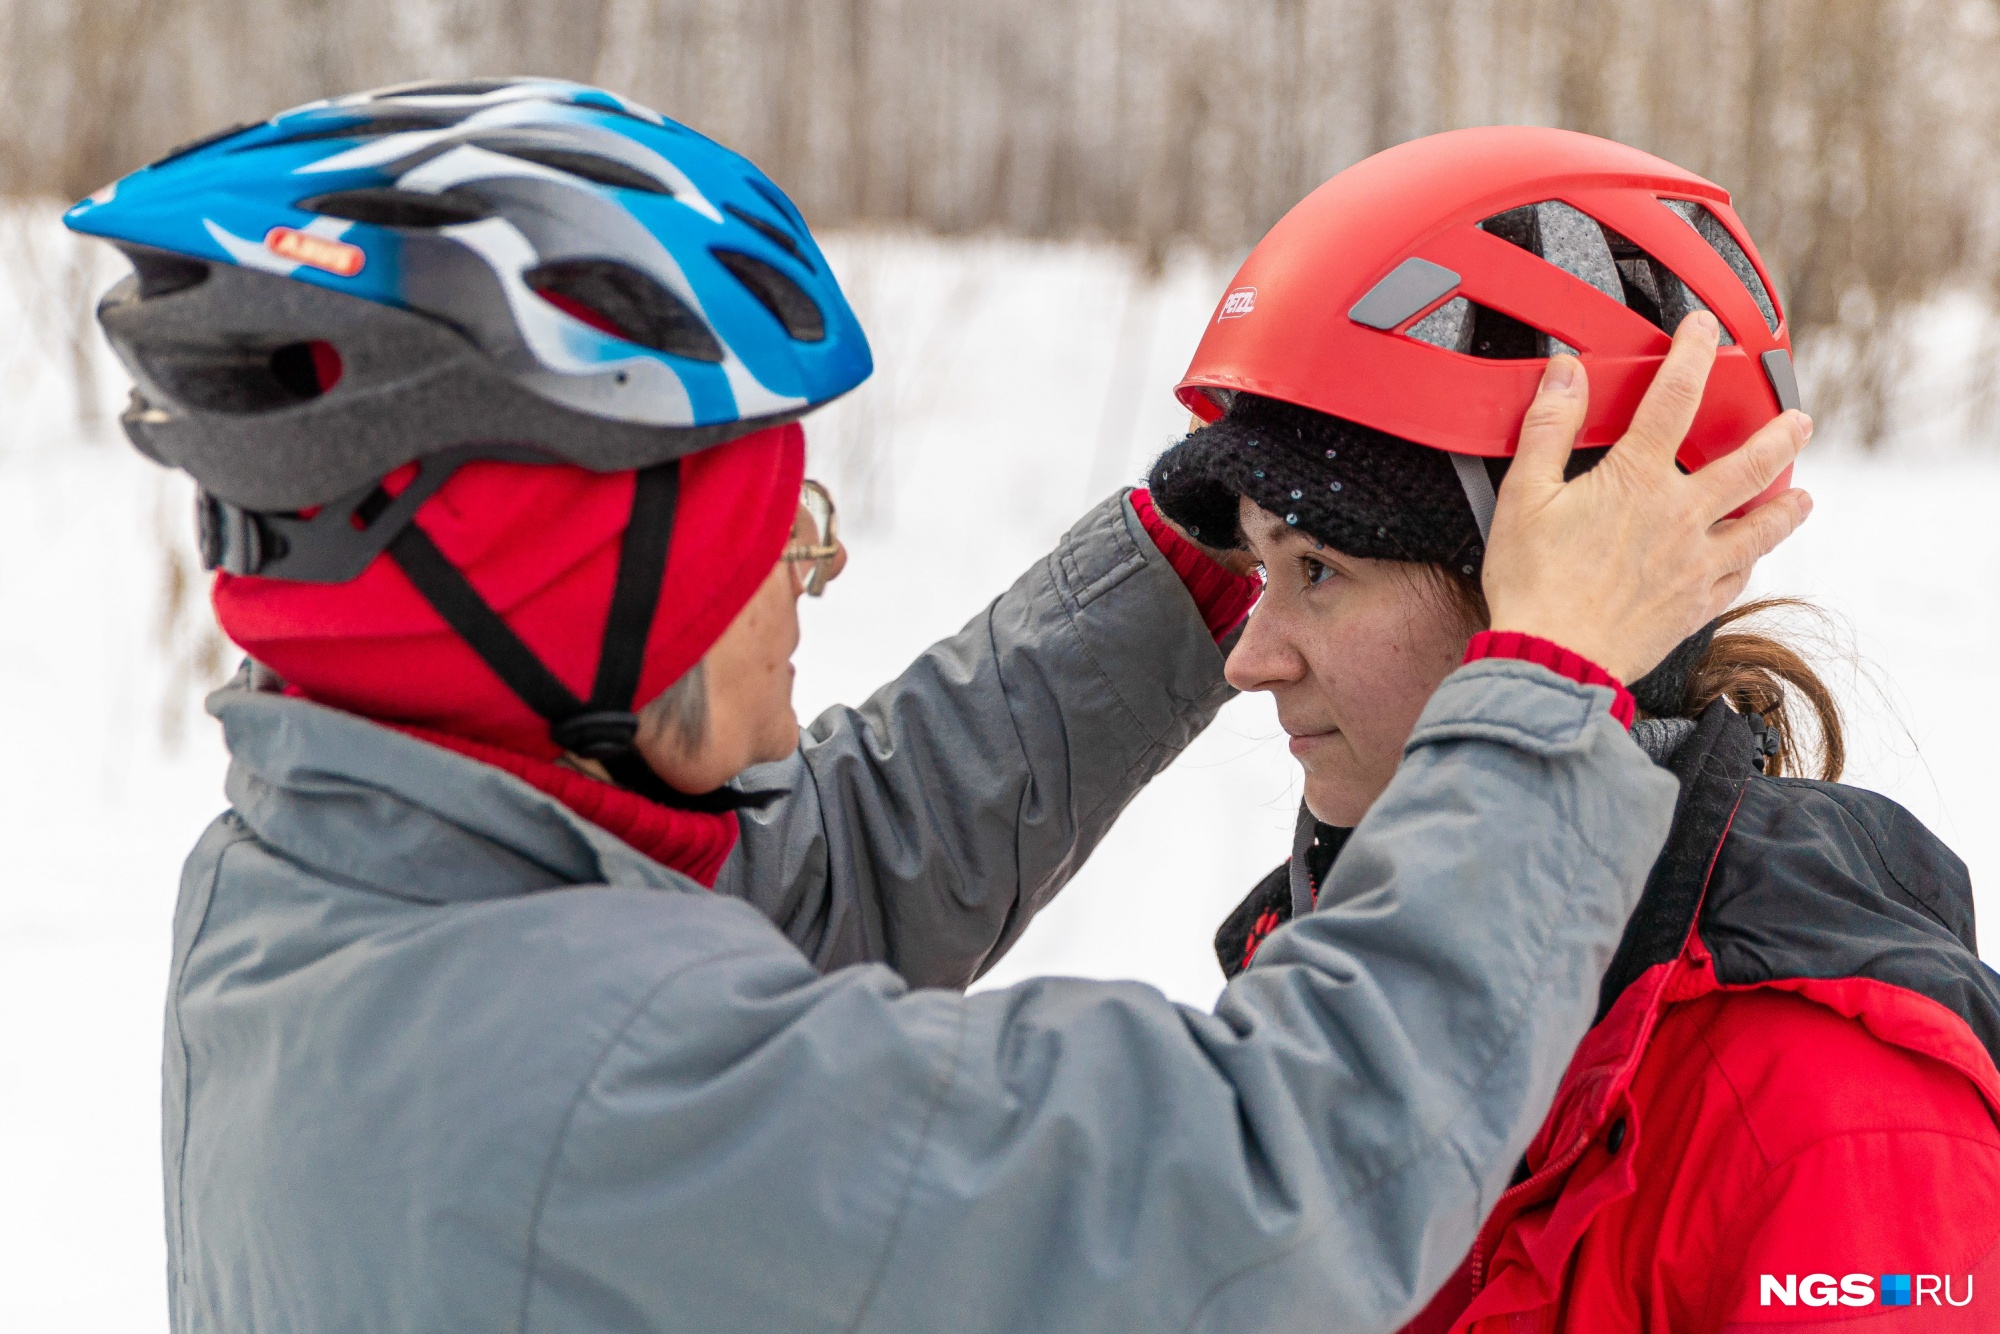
pixel 342 536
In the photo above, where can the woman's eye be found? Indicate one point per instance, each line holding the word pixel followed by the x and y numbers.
pixel 1316 571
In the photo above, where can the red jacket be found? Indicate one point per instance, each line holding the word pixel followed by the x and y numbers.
pixel 1788 1113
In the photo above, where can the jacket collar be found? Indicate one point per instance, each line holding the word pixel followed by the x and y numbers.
pixel 1713 764
pixel 695 843
pixel 363 804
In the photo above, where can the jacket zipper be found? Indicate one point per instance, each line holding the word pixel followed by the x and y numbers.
pixel 1556 1168
pixel 1576 1151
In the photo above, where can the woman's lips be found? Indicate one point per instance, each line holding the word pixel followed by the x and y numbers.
pixel 1305 741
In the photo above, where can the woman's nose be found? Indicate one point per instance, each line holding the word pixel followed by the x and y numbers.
pixel 1264 657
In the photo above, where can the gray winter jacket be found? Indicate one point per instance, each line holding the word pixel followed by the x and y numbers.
pixel 441 1055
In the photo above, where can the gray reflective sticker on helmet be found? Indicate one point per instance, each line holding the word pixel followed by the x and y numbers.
pixel 1784 380
pixel 1479 493
pixel 1411 286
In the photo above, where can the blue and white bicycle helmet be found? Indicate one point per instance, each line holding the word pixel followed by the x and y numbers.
pixel 521 269
pixel 513 268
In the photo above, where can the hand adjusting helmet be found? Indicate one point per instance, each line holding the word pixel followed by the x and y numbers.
pixel 1368 369
pixel 385 286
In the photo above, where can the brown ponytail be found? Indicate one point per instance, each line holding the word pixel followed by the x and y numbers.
pixel 1758 674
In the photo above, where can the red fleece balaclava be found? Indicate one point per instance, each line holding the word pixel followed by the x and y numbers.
pixel 540 542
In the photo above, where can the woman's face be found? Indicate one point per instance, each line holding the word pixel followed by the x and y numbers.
pixel 747 674
pixel 1351 650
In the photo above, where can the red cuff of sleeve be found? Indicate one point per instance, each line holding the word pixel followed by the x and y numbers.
pixel 1541 652
pixel 1223 596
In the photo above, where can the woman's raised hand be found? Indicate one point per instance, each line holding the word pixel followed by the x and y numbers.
pixel 1634 556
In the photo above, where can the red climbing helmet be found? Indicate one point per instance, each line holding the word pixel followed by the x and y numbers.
pixel 1420 292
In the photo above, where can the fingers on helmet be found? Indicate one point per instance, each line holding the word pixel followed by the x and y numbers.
pixel 1671 401
pixel 1739 477
pixel 1549 430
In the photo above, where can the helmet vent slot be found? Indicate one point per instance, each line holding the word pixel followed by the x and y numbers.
pixel 1651 288
pixel 775 199
pixel 1711 230
pixel 239 380
pixel 1584 248
pixel 387 206
pixel 627 303
pixel 785 299
pixel 1462 325
pixel 375 127
pixel 770 231
pixel 163 274
pixel 610 107
pixel 592 167
pixel 206 141
pixel 1498 336
pixel 442 88
pixel 1448 327
pixel 306 370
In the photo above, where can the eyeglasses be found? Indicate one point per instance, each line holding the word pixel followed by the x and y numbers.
pixel 814 552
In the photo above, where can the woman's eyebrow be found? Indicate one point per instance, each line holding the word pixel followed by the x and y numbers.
pixel 1286 538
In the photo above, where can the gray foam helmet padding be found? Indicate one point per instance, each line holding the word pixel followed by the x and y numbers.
pixel 1574 243
pixel 1410 286
pixel 1566 238
pixel 1711 230
pixel 1675 298
pixel 1448 327
pixel 410 387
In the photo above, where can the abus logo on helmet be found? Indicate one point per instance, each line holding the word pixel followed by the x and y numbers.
pixel 1859 1290
pixel 1239 302
pixel 318 251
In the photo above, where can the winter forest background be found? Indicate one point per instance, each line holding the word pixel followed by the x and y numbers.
pixel 1034 205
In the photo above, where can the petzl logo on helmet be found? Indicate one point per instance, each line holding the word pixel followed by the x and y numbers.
pixel 1239 302
pixel 317 251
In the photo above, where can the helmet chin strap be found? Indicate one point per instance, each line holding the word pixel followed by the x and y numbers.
pixel 605 727
pixel 1479 492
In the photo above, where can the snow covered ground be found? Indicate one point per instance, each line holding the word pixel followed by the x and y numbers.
pixel 1018 384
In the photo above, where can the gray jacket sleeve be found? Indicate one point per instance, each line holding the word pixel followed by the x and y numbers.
pixel 1065 1155
pixel 1318 1153
pixel 926 828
